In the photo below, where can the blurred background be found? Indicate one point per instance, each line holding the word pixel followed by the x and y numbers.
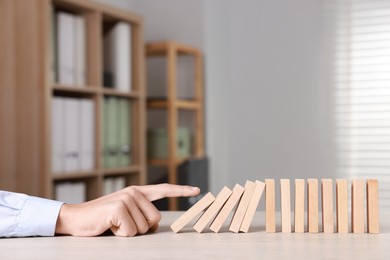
pixel 292 89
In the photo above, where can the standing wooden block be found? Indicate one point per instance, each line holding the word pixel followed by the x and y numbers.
pixel 285 205
pixel 270 225
pixel 217 223
pixel 312 205
pixel 372 207
pixel 342 205
pixel 222 197
pixel 190 214
pixel 239 214
pixel 250 212
pixel 327 206
pixel 299 212
pixel 358 206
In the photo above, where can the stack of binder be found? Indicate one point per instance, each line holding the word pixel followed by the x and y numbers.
pixel 72 135
pixel 117 132
pixel 70 192
pixel 117 57
pixel 69 38
pixel 113 184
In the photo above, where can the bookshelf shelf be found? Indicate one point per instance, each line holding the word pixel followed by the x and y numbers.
pixel 162 48
pixel 166 162
pixel 179 104
pixel 171 51
pixel 29 36
pixel 75 89
pixel 111 92
pixel 74 175
pixel 115 171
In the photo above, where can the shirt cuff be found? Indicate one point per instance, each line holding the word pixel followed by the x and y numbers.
pixel 38 217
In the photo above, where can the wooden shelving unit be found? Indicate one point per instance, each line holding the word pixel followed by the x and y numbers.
pixel 172 104
pixel 27 90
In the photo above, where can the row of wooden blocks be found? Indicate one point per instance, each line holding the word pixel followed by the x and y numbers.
pixel 217 209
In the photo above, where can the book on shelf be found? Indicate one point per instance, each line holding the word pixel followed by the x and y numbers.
pixel 117 132
pixel 87 122
pixel 113 184
pixel 157 143
pixel 58 136
pixel 124 132
pixel 117 56
pixel 73 134
pixel 70 49
pixel 70 192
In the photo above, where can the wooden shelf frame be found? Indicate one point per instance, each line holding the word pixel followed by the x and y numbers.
pixel 171 51
pixel 25 77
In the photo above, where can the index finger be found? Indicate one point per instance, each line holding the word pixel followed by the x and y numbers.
pixel 159 191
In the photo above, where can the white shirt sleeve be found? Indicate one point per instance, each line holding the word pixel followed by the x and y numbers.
pixel 22 215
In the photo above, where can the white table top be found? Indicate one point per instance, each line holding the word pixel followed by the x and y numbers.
pixel 165 244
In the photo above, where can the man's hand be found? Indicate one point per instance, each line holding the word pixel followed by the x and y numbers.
pixel 127 212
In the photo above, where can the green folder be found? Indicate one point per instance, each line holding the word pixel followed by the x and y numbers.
pixel 124 132
pixel 110 135
pixel 106 162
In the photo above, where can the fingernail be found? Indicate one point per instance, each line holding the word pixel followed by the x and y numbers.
pixel 195 188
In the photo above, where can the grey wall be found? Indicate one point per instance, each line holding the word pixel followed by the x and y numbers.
pixel 267 107
pixel 273 96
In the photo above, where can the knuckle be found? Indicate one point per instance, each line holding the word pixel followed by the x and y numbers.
pixel 143 229
pixel 156 217
pixel 127 199
pixel 118 206
pixel 131 232
pixel 132 192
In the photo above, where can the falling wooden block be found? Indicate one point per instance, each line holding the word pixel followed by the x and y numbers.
pixel 190 214
pixel 270 225
pixel 299 212
pixel 327 206
pixel 210 213
pixel 372 207
pixel 250 212
pixel 217 223
pixel 358 206
pixel 239 214
pixel 285 205
pixel 342 205
pixel 312 205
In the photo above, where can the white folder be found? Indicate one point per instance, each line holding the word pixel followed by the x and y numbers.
pixel 57 134
pixel 65 41
pixel 71 163
pixel 79 50
pixel 87 134
pixel 117 55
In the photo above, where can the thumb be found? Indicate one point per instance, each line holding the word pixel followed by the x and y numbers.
pixel 159 191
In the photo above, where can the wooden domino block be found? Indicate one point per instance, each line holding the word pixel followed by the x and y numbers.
pixel 358 206
pixel 327 206
pixel 342 205
pixel 217 223
pixel 190 214
pixel 220 200
pixel 270 225
pixel 299 212
pixel 372 207
pixel 285 205
pixel 312 205
pixel 250 212
pixel 242 207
